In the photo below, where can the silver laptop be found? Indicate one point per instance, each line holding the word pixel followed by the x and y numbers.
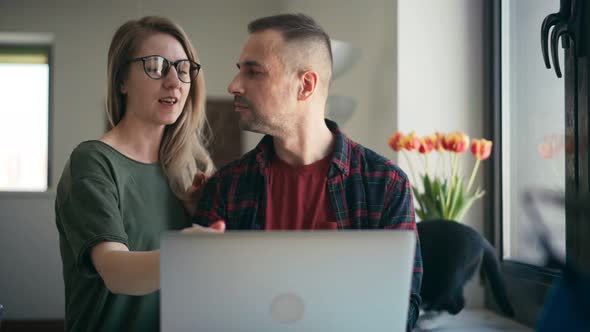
pixel 286 281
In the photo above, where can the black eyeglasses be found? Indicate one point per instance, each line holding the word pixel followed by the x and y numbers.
pixel 157 67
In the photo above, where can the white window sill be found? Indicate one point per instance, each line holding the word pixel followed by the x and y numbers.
pixel 473 320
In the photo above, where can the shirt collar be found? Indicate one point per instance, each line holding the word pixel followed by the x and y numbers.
pixel 264 151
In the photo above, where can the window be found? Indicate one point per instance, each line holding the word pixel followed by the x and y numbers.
pixel 540 126
pixel 24 129
pixel 533 131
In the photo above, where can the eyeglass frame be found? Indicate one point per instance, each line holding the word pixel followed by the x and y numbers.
pixel 170 65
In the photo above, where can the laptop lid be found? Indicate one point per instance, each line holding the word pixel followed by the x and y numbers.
pixel 286 281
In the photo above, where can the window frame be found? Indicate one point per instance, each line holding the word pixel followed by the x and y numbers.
pixel 527 284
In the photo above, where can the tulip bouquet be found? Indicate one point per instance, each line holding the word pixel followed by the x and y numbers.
pixel 442 194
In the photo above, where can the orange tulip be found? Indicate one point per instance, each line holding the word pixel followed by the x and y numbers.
pixel 481 148
pixel 395 141
pixel 445 142
pixel 427 144
pixel 439 141
pixel 411 141
pixel 456 142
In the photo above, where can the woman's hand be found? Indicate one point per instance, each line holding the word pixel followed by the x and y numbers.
pixel 216 227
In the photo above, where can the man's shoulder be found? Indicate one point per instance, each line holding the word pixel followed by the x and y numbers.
pixel 228 186
pixel 245 164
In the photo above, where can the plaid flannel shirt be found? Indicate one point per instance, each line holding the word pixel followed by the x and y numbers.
pixel 366 190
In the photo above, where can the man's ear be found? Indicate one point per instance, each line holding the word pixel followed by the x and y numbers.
pixel 308 85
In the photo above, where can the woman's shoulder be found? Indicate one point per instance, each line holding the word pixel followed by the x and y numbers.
pixel 91 158
pixel 91 147
pixel 91 150
pixel 89 162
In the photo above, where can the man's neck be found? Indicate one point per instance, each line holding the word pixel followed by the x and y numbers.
pixel 136 140
pixel 306 144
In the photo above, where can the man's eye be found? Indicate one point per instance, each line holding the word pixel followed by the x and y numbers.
pixel 253 73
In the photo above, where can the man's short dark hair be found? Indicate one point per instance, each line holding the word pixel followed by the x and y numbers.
pixel 293 27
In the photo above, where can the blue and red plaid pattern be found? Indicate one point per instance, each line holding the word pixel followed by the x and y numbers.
pixel 367 191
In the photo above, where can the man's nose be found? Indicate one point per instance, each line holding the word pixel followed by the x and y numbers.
pixel 235 86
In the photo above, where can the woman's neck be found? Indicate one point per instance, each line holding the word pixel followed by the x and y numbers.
pixel 136 140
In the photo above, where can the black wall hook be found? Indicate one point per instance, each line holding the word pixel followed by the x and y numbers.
pixel 565 24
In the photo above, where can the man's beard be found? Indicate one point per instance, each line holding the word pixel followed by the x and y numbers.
pixel 252 120
pixel 252 123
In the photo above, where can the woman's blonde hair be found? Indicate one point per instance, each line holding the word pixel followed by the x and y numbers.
pixel 183 150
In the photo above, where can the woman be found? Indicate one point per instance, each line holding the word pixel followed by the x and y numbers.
pixel 117 194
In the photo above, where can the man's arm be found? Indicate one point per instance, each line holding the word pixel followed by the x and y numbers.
pixel 398 213
pixel 211 206
pixel 194 192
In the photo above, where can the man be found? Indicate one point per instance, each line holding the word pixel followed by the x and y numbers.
pixel 305 173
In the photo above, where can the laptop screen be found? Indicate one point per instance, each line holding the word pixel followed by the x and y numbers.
pixel 286 281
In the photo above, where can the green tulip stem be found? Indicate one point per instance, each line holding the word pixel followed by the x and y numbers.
pixel 410 165
pixel 473 174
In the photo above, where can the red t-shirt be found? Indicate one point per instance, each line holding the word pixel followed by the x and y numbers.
pixel 297 198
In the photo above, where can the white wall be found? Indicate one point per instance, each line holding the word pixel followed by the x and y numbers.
pixel 31 282
pixel 440 81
